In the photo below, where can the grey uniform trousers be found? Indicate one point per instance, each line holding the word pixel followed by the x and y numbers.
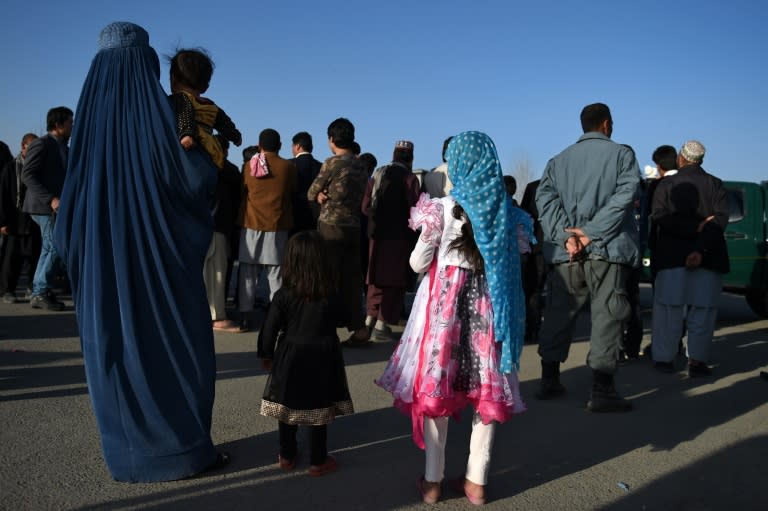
pixel 571 286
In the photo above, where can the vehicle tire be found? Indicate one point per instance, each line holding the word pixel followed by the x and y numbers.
pixel 758 301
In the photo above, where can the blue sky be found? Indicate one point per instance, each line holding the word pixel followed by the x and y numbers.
pixel 423 70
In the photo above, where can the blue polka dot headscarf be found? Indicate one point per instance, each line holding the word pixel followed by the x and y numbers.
pixel 475 171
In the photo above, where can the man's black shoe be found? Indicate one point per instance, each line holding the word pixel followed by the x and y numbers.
pixel 550 389
pixel 605 399
pixel 698 370
pixel 648 351
pixel 46 301
pixel 664 367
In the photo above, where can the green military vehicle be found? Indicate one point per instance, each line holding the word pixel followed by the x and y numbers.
pixel 747 240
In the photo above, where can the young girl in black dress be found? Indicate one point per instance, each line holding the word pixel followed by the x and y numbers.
pixel 307 383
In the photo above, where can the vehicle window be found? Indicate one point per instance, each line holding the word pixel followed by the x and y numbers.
pixel 735 205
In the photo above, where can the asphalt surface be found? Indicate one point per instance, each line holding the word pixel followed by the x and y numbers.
pixel 690 444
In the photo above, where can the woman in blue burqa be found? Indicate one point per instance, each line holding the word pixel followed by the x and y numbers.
pixel 133 229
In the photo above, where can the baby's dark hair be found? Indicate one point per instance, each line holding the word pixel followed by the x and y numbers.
pixel 307 268
pixel 465 243
pixel 193 68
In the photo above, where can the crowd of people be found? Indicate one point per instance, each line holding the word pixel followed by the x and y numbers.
pixel 144 201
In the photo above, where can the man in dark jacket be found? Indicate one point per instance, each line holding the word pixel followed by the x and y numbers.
pixel 690 210
pixel 45 168
pixel 307 167
pixel 665 158
pixel 534 268
pixel 5 157
pixel 22 235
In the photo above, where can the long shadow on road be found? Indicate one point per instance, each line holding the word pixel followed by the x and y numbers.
pixel 379 463
pixel 557 438
pixel 723 480
pixel 40 326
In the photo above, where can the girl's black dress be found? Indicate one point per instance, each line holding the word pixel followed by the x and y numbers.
pixel 308 383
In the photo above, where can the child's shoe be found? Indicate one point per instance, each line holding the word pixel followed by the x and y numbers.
pixel 430 492
pixel 326 468
pixel 474 492
pixel 285 464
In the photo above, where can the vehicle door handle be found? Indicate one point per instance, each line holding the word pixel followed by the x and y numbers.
pixel 735 236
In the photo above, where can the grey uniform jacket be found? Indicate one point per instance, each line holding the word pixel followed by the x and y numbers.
pixel 591 184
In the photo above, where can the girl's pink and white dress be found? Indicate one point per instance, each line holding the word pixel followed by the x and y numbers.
pixel 448 357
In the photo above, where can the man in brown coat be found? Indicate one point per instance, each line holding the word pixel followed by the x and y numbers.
pixel 266 215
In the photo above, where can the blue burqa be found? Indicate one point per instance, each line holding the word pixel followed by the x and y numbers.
pixel 133 229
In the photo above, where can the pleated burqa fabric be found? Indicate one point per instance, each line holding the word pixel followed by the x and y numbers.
pixel 133 229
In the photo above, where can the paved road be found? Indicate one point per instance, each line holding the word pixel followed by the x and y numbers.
pixel 689 445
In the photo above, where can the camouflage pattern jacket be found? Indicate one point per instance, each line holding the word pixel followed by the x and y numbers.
pixel 343 179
